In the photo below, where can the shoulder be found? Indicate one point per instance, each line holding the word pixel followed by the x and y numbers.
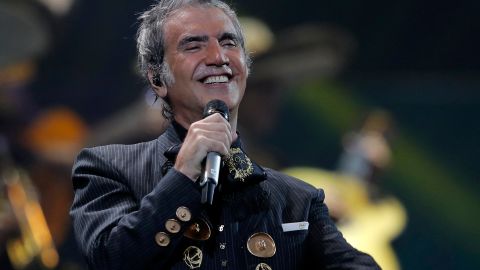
pixel 114 152
pixel 118 157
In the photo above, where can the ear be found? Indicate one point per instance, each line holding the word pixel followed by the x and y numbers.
pixel 159 88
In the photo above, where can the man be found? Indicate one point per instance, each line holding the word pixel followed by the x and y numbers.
pixel 139 206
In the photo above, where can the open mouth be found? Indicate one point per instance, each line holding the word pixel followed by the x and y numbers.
pixel 215 79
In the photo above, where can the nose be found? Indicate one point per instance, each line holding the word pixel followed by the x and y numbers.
pixel 216 55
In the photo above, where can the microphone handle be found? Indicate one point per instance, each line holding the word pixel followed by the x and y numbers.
pixel 210 176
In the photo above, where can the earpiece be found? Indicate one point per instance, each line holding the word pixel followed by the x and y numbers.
pixel 156 80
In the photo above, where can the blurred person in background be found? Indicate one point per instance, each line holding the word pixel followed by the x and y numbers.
pixel 47 147
pixel 53 139
pixel 38 145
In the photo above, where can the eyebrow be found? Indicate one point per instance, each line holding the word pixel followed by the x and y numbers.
pixel 228 35
pixel 204 38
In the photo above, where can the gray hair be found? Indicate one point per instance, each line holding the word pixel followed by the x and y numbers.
pixel 151 40
pixel 150 34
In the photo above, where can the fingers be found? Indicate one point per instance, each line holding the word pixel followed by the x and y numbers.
pixel 211 134
pixel 214 122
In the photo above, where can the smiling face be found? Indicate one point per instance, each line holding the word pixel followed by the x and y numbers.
pixel 206 61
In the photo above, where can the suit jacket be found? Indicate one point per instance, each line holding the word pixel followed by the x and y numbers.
pixel 123 200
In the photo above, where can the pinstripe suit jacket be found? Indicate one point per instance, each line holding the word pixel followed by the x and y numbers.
pixel 122 200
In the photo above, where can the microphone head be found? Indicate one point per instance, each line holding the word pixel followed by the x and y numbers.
pixel 216 106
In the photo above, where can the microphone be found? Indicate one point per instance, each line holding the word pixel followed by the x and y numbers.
pixel 211 170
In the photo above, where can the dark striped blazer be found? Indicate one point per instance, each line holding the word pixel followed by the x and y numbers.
pixel 124 201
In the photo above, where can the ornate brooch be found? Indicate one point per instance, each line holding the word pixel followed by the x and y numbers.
pixel 239 165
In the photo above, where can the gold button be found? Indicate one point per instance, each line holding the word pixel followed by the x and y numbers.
pixel 172 226
pixel 198 230
pixel 261 245
pixel 183 213
pixel 162 239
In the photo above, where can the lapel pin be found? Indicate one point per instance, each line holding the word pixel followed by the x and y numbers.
pixel 192 256
pixel 263 266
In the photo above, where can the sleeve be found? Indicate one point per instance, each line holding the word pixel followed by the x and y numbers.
pixel 327 246
pixel 113 229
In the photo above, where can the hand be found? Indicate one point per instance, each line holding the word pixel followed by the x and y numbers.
pixel 211 134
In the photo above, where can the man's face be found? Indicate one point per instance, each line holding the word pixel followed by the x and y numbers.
pixel 206 60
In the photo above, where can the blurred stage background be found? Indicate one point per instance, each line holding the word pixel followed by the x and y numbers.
pixel 68 80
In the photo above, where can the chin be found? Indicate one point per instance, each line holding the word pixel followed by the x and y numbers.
pixel 231 102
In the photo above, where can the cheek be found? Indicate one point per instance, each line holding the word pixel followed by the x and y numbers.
pixel 182 67
pixel 243 75
pixel 238 60
pixel 243 64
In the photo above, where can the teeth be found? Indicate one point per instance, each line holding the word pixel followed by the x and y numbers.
pixel 216 79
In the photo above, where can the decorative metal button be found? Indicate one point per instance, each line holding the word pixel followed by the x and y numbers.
pixel 192 256
pixel 162 239
pixel 222 245
pixel 220 228
pixel 263 266
pixel 172 226
pixel 198 230
pixel 224 263
pixel 183 213
pixel 261 245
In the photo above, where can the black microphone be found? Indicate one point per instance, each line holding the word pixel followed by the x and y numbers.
pixel 213 160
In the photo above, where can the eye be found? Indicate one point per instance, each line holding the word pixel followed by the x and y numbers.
pixel 228 43
pixel 192 47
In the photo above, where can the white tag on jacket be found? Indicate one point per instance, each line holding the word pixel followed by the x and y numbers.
pixel 295 226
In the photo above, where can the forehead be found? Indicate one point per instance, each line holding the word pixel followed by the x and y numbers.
pixel 197 21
